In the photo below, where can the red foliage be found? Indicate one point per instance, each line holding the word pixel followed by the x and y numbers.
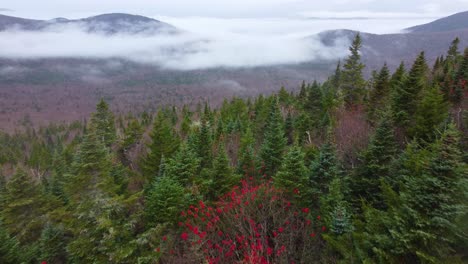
pixel 252 223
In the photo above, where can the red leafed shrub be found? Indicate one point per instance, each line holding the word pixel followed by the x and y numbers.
pixel 253 223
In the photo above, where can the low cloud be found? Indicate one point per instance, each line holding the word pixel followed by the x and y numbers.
pixel 183 51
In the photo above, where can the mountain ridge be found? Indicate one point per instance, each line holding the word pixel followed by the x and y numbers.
pixel 453 22
pixel 108 24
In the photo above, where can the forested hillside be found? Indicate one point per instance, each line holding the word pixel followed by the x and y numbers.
pixel 351 170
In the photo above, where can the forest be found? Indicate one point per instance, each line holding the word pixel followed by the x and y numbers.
pixel 351 170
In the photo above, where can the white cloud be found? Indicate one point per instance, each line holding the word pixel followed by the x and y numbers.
pixel 181 51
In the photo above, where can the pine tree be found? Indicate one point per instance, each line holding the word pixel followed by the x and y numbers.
pixel 132 134
pixel 52 244
pixel 337 76
pixel 353 82
pixel 164 141
pixel 204 143
pixel 302 92
pixel 323 170
pixel 376 164
pixel 23 208
pixel 292 175
pixel 313 105
pixel 461 80
pixel 246 162
pixel 164 201
pixel 431 112
pixel 9 247
pixel 335 209
pixel 102 121
pixel 452 53
pixel 409 94
pixel 57 179
pixel 398 91
pixel 289 129
pixel 435 197
pixel 91 166
pixel 183 166
pixel 379 92
pixel 274 142
pixel 222 177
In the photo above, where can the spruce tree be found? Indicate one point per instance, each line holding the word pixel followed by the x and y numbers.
pixel 23 208
pixel 461 79
pixel 313 105
pixel 246 161
pixel 334 207
pixel 292 175
pixel 376 164
pixel 398 91
pixel 204 143
pixel 102 121
pixel 183 166
pixel 52 244
pixel 431 112
pixel 222 177
pixel 409 94
pixel 323 169
pixel 435 198
pixel 9 247
pixel 274 141
pixel 132 134
pixel 353 83
pixel 164 141
pixel 379 92
pixel 164 201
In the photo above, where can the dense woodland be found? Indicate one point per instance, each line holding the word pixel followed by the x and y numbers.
pixel 345 171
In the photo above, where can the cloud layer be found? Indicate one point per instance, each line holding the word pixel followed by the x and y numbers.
pixel 185 51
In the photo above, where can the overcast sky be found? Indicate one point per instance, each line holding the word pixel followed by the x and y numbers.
pixel 45 9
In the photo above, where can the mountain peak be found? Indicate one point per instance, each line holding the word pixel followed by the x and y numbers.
pixel 108 24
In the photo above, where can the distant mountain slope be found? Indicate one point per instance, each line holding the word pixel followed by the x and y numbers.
pixel 394 48
pixel 454 22
pixel 115 23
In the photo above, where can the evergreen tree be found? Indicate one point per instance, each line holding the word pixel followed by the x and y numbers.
pixel 335 209
pixel 9 248
pixel 353 82
pixel 102 121
pixel 164 141
pixel 302 92
pixel 246 163
pixel 461 79
pixel 132 134
pixel 204 144
pixel 379 92
pixel 452 53
pixel 222 177
pixel 376 164
pixel 435 198
pixel 398 91
pixel 313 105
pixel 52 244
pixel 292 175
pixel 23 208
pixel 274 142
pixel 289 129
pixel 322 171
pixel 409 94
pixel 431 112
pixel 57 179
pixel 164 201
pixel 183 166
